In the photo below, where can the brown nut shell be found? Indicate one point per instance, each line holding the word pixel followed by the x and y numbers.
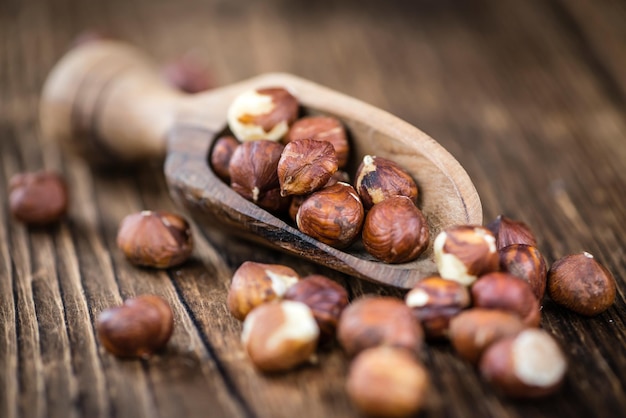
pixel 508 232
pixel 378 178
pixel 39 198
pixel 221 154
pixel 305 165
pixel 526 262
pixel 322 128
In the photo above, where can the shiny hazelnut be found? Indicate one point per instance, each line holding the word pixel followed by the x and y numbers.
pixel 38 198
pixel 262 114
pixel 305 165
pixel 322 128
pixel 526 262
pixel 435 301
pixel 333 215
pixel 296 201
pixel 155 239
pixel 279 336
pixel 508 231
pixel 255 283
pixel 187 74
pixel 473 330
pixel 221 154
pixel 395 230
pixel 527 365
pixel 138 328
pixel 581 284
pixel 462 253
pixel 509 293
pixel 387 382
pixel 374 321
pixel 378 178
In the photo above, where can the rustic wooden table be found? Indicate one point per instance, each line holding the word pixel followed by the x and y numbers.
pixel 530 96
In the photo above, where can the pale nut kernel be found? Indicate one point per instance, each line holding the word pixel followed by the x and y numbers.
pixel 221 154
pixel 508 232
pixel 256 283
pixel 386 381
pixel 528 365
pixel 262 114
pixel 155 239
pixel 305 165
pixel 322 128
pixel 395 230
pixel 581 284
pixel 378 178
pixel 462 253
pixel 279 336
pixel 39 198
pixel 526 262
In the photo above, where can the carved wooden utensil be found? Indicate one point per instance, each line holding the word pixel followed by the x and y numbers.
pixel 106 99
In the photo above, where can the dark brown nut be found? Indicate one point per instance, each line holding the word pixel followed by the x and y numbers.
pixel 528 365
pixel 395 230
pixel 462 253
pixel 187 74
pixel 296 201
pixel 378 178
pixel 38 198
pixel 509 293
pixel 526 262
pixel 322 128
pixel 222 152
pixel 581 284
pixel 333 215
pixel 138 328
pixel 435 301
pixel 155 239
pixel 509 232
pixel 253 174
pixel 305 165
pixel 255 283
pixel 473 330
pixel 375 321
pixel 262 114
pixel 279 336
pixel 387 382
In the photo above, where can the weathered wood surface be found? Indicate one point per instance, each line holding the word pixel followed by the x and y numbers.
pixel 529 96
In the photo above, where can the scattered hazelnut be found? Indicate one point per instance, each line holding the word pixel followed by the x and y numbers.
pixel 305 165
pixel 333 215
pixel 38 198
pixel 435 301
pixel 462 253
pixel 187 74
pixel 255 283
pixel 322 128
pixel 378 178
pixel 373 321
pixel 279 336
pixel 386 381
pixel 508 232
pixel 527 365
pixel 262 114
pixel 395 230
pixel 138 328
pixel 155 239
pixel 581 284
pixel 526 262
pixel 223 150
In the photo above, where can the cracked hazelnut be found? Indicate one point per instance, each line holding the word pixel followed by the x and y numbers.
pixel 508 231
pixel 255 283
pixel 155 239
pixel 279 336
pixel 378 178
pixel 138 328
pixel 581 284
pixel 38 198
pixel 526 262
pixel 305 165
pixel 223 150
pixel 262 114
pixel 395 230
pixel 322 128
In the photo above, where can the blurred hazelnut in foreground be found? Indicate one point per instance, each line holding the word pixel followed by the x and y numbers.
pixel 39 198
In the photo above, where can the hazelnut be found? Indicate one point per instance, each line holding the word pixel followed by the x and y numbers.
pixel 138 328
pixel 187 74
pixel 279 336
pixel 38 198
pixel 333 215
pixel 374 321
pixel 296 201
pixel 326 299
pixel 322 128
pixel 508 232
pixel 305 165
pixel 395 230
pixel 473 330
pixel 223 150
pixel 262 114
pixel 581 284
pixel 527 365
pixel 386 381
pixel 462 253
pixel 509 293
pixel 526 262
pixel 435 301
pixel 378 178
pixel 155 239
pixel 255 283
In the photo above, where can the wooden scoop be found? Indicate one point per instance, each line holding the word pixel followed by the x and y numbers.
pixel 107 100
